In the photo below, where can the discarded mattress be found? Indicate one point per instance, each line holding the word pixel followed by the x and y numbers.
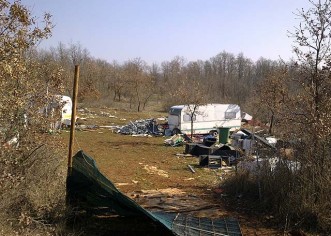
pixel 88 187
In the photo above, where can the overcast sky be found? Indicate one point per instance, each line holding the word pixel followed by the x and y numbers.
pixel 159 30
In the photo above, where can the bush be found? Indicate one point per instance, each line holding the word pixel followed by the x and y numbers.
pixel 299 199
pixel 33 198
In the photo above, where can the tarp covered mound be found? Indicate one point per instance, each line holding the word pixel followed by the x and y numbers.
pixel 87 187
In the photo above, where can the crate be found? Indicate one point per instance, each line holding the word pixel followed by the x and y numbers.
pixel 214 161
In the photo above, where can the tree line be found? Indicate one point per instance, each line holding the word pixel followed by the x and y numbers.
pixel 293 97
pixel 224 78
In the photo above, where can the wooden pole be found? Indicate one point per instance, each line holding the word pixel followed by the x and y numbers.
pixel 73 118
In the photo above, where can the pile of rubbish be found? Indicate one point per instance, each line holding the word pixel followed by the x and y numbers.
pixel 175 140
pixel 148 126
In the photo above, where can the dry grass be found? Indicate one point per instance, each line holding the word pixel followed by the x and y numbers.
pixel 34 202
pixel 133 163
pixel 136 164
pixel 296 200
pixel 129 160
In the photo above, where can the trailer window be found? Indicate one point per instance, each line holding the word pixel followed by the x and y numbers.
pixel 230 115
pixel 175 111
pixel 187 117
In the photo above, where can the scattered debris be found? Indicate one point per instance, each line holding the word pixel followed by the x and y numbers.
pixel 123 184
pixel 147 126
pixel 106 114
pixel 183 155
pixel 254 165
pixel 162 123
pixel 245 117
pixel 109 126
pixel 258 138
pixel 188 179
pixel 141 135
pixel 272 141
pixel 155 170
pixel 175 140
pixel 214 161
pixel 209 140
pixel 81 127
pixel 13 142
pixel 175 200
pixel 191 168
pixel 156 193
pixel 81 121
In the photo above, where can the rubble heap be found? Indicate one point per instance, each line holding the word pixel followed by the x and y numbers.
pixel 147 126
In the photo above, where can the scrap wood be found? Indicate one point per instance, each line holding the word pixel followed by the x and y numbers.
pixel 165 191
pixel 155 170
pixel 191 168
pixel 183 155
pixel 180 209
pixel 175 203
pixel 188 179
pixel 122 184
pixel 199 208
pixel 86 179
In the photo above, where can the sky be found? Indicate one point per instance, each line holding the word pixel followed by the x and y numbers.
pixel 159 30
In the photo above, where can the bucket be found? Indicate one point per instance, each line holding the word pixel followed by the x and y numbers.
pixel 223 133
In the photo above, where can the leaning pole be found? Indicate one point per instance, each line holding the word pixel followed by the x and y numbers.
pixel 72 128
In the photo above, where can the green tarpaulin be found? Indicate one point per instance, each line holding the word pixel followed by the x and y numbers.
pixel 89 188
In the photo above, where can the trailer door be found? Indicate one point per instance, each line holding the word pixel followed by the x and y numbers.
pixel 174 118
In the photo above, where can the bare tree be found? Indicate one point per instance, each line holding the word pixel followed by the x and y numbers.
pixel 192 97
pixel 299 96
pixel 23 93
pixel 140 84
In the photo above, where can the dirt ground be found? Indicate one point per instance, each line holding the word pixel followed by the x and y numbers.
pixel 155 176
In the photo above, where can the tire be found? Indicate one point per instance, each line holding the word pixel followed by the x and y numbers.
pixel 213 132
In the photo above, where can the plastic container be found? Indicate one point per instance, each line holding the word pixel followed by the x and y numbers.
pixel 223 133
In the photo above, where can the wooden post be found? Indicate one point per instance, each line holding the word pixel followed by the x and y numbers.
pixel 73 118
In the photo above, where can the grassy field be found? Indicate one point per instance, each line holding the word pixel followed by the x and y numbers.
pixel 138 163
pixel 143 166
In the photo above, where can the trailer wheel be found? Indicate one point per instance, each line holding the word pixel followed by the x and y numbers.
pixel 176 131
pixel 213 132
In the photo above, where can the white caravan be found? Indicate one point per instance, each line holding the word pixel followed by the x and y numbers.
pixel 61 105
pixel 66 105
pixel 207 118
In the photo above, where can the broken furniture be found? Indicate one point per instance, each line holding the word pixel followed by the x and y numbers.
pixel 213 161
pixel 197 149
pixel 227 153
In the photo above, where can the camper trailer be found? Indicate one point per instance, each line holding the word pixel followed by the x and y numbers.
pixel 66 104
pixel 206 119
pixel 59 105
